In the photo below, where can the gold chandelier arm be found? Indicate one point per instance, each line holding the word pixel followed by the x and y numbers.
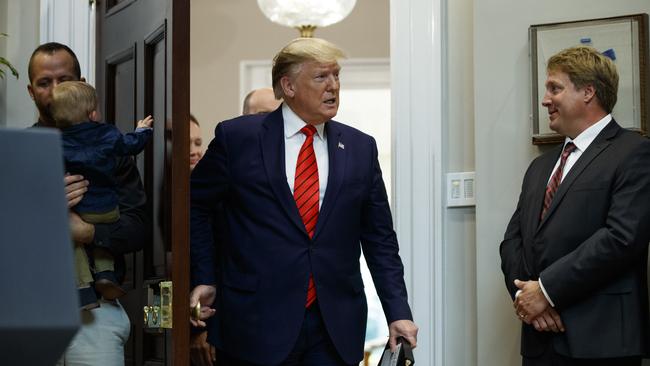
pixel 306 31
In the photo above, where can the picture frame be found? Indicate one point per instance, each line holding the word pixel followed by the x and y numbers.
pixel 623 38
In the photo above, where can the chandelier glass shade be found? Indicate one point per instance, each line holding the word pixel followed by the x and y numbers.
pixel 306 14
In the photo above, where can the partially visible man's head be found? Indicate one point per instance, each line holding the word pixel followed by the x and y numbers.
pixel 73 102
pixel 306 75
pixel 50 64
pixel 581 87
pixel 196 142
pixel 49 49
pixel 260 101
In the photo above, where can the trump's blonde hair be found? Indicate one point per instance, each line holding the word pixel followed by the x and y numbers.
pixel 297 52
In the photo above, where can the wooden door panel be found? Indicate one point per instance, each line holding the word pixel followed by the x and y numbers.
pixel 155 94
pixel 120 89
pixel 120 108
pixel 116 5
pixel 124 110
pixel 135 52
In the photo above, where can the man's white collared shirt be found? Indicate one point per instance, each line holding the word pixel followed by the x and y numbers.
pixel 293 140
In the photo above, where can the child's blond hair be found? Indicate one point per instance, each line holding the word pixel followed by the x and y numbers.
pixel 72 103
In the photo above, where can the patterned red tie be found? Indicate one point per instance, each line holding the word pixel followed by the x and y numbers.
pixel 554 183
pixel 306 193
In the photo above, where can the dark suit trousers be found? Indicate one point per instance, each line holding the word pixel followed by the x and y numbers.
pixel 313 348
pixel 552 358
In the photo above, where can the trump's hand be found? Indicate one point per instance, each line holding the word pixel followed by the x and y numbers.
pixel 402 328
pixel 530 302
pixel 205 295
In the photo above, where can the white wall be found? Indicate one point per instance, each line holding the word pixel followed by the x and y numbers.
pixel 20 20
pixel 459 223
pixel 417 50
pixel 71 22
pixel 503 148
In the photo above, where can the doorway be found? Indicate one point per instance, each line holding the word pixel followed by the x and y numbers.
pixel 365 102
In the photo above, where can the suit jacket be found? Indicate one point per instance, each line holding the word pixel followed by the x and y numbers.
pixel 265 256
pixel 590 249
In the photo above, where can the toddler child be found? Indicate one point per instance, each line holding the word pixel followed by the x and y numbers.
pixel 90 149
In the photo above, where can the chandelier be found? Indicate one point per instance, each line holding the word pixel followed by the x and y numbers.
pixel 306 15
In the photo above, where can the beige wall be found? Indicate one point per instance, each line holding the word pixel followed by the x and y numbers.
pixel 503 147
pixel 224 32
pixel 459 233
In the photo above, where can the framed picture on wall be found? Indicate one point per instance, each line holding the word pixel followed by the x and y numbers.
pixel 623 39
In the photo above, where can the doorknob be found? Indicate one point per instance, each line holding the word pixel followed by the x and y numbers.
pixel 158 311
pixel 146 311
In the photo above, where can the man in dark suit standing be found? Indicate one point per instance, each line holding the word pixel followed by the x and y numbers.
pixel 301 196
pixel 575 251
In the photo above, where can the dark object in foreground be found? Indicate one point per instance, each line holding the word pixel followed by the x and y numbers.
pixel 403 356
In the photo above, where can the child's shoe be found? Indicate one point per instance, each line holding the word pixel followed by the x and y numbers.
pixel 106 284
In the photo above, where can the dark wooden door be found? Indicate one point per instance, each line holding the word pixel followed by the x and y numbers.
pixel 143 68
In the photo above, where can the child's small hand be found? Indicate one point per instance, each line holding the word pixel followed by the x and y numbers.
pixel 147 122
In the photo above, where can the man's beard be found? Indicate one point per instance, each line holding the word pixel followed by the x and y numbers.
pixel 45 112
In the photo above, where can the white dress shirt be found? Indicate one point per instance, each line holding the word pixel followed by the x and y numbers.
pixel 293 140
pixel 582 142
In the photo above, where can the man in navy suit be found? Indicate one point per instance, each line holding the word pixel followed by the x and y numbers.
pixel 302 195
pixel 575 252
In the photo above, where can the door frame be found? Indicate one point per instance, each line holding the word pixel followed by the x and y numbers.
pixel 180 179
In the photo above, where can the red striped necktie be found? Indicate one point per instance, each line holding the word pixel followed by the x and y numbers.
pixel 306 193
pixel 554 183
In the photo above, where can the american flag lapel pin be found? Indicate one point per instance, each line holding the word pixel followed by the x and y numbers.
pixel 341 146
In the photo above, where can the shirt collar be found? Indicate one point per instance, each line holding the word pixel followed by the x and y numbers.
pixel 293 123
pixel 586 137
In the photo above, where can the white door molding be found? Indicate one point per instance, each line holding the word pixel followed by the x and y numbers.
pixel 71 22
pixel 417 48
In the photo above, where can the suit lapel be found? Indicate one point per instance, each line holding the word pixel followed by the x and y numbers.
pixel 336 174
pixel 599 145
pixel 272 144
